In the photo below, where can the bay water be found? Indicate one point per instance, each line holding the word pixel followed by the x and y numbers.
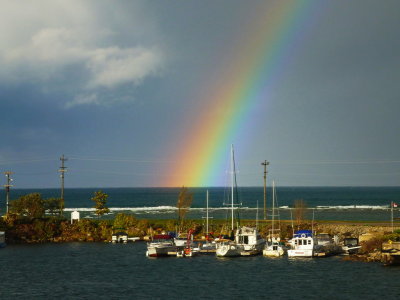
pixel 118 271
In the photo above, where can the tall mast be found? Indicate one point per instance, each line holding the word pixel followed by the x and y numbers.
pixel 207 215
pixel 257 216
pixel 273 205
pixel 232 179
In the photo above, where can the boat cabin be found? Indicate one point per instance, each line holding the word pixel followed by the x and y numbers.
pixel 350 242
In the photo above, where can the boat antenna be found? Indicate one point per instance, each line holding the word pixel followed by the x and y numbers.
pixel 291 217
pixel 257 216
pixel 273 206
pixel 312 224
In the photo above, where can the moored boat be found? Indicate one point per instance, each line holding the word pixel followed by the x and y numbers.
pixel 182 239
pixel 228 248
pixel 273 247
pixel 326 245
pixel 209 245
pixel 250 240
pixel 161 245
pixel 225 247
pixel 302 244
pixel 350 246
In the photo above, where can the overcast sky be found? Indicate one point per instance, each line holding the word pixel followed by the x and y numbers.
pixel 110 85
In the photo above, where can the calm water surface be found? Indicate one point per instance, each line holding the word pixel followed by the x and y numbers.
pixel 107 271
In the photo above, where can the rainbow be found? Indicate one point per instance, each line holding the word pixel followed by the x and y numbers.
pixel 258 61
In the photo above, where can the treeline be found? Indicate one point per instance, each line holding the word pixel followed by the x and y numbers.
pixel 32 218
pixel 34 206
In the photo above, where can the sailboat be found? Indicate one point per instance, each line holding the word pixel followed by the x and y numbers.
pixel 247 240
pixel 224 247
pixel 209 245
pixel 273 247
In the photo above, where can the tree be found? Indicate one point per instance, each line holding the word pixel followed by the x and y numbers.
pixel 54 206
pixel 299 210
pixel 183 204
pixel 31 206
pixel 100 200
pixel 123 221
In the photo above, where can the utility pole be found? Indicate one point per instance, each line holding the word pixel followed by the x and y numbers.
pixel 391 208
pixel 7 186
pixel 265 164
pixel 62 170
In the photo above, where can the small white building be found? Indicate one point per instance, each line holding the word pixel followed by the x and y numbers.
pixel 75 216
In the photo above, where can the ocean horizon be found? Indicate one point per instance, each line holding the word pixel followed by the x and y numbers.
pixel 324 203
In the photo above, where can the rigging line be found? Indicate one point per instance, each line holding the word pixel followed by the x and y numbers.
pixel 332 162
pixel 120 160
pixel 112 173
pixel 35 173
pixel 6 162
pixel 336 175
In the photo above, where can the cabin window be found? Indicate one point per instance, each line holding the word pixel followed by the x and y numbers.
pixel 246 239
pixel 309 242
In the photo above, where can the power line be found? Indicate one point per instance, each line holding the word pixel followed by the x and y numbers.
pixel 20 161
pixel 110 159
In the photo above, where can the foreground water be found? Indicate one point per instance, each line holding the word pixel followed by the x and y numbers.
pixel 108 271
pixel 327 203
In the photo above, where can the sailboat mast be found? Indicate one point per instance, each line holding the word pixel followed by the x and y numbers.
pixel 207 214
pixel 232 180
pixel 273 205
pixel 257 216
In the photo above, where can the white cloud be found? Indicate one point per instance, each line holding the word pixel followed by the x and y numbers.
pixel 83 99
pixel 67 34
pixel 114 66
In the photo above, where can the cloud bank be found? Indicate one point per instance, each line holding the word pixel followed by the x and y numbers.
pixel 85 49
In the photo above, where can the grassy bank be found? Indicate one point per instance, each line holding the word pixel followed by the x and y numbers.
pixel 59 229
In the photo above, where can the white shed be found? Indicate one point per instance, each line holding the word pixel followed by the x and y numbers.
pixel 75 216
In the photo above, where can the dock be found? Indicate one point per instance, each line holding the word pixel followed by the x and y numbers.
pixel 207 251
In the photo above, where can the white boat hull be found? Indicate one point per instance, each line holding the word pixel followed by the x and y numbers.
pixel 228 250
pixel 159 250
pixel 270 251
pixel 300 253
pixel 273 253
